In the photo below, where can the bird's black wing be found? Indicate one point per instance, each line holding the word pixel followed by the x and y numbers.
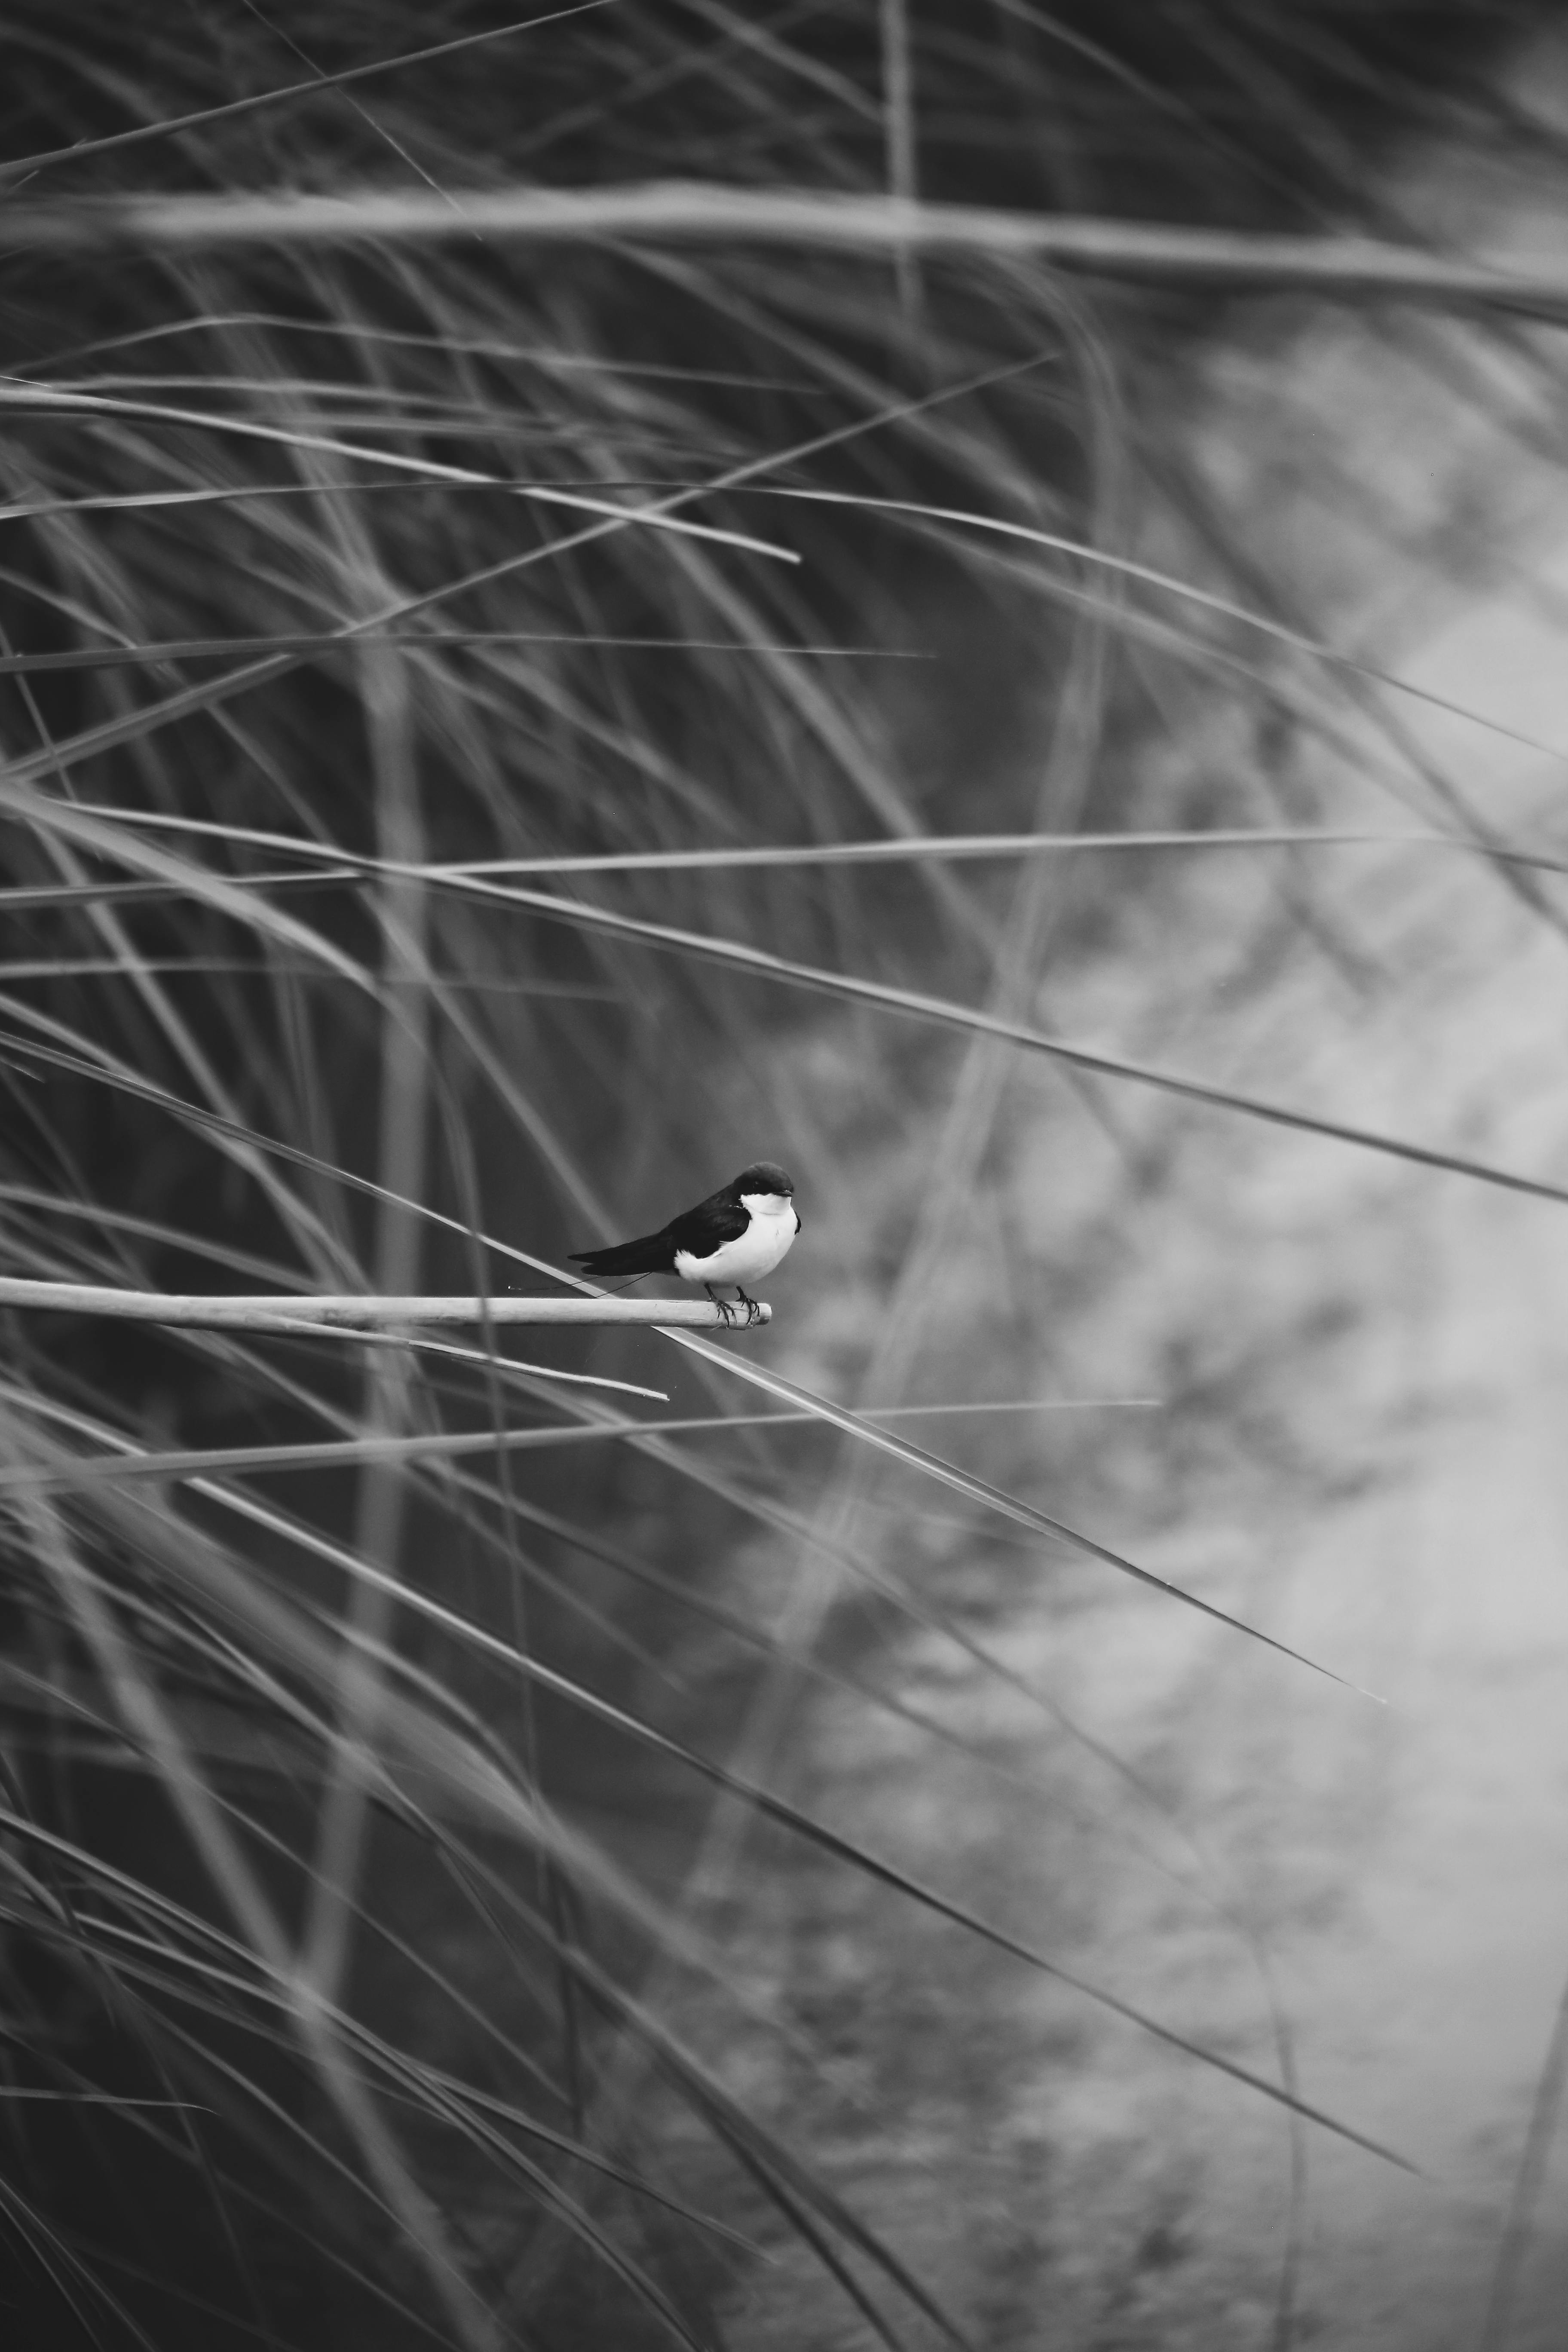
pixel 652 1254
pixel 708 1226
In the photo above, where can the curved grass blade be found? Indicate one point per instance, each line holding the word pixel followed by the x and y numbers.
pixel 887 849
pixel 911 849
pixel 63 818
pixel 911 1004
pixel 79 150
pixel 364 331
pixel 28 399
pixel 425 641
pixel 177 1464
pixel 1224 608
pixel 1527 2182
pixel 1349 270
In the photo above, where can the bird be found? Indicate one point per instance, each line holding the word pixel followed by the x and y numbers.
pixel 737 1234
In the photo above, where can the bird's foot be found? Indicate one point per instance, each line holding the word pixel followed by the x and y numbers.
pixel 754 1312
pixel 726 1311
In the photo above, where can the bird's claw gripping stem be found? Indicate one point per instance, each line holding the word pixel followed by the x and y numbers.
pixel 727 1312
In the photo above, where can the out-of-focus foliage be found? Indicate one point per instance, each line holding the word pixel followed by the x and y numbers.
pixel 376 1968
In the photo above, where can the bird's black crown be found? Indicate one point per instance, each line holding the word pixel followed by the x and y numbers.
pixel 763 1176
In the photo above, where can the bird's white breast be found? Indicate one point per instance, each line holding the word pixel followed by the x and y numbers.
pixel 756 1251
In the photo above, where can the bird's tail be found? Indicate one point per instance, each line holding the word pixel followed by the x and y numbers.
pixel 654 1253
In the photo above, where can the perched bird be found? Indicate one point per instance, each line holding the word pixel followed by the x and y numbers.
pixel 735 1235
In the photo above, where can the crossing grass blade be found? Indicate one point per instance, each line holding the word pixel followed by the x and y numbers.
pixel 912 1006
pixel 80 151
pixel 329 862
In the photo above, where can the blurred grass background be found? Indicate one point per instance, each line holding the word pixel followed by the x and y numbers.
pixel 379 1965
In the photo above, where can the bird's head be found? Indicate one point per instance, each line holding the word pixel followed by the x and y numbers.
pixel 765 1178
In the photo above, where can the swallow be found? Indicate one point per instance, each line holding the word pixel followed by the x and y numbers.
pixel 735 1235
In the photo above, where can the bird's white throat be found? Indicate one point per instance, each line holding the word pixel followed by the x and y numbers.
pixel 768 1204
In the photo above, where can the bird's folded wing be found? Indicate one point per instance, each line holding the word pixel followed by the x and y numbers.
pixel 707 1227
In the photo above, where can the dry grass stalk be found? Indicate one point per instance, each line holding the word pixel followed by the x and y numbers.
pixel 706 214
pixel 266 1311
